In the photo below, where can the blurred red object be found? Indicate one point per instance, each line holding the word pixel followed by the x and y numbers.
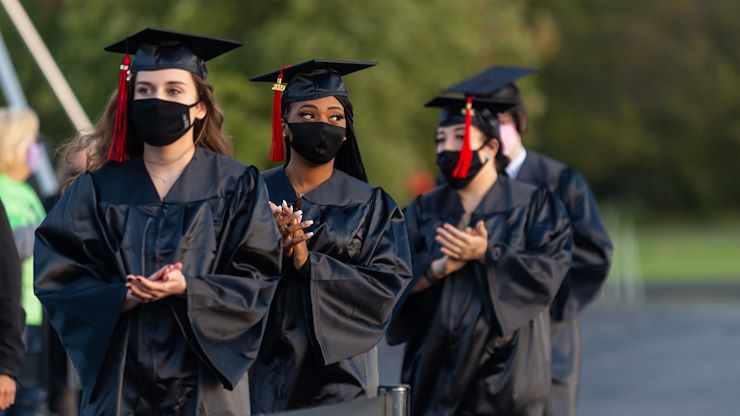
pixel 419 182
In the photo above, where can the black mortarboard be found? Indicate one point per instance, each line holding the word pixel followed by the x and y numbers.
pixel 490 81
pixel 469 110
pixel 453 108
pixel 157 49
pixel 313 79
pixel 309 80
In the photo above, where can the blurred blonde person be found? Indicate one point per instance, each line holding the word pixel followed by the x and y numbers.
pixel 18 132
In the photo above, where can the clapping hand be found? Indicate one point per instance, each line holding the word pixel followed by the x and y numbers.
pixel 464 246
pixel 165 282
pixel 291 225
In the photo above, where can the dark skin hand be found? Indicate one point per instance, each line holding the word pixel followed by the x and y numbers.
pixel 291 227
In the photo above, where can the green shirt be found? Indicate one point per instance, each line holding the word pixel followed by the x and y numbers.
pixel 25 213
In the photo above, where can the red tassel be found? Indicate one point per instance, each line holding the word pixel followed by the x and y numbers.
pixel 466 153
pixel 117 150
pixel 278 147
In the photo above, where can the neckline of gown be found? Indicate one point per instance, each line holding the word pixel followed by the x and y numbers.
pixel 502 196
pixel 340 189
pixel 176 186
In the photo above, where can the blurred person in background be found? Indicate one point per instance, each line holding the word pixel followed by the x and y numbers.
pixel 11 315
pixel 344 275
pixel 489 256
pixel 18 132
pixel 592 248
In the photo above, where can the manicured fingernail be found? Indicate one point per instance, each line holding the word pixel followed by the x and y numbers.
pixel 309 222
pixel 309 235
pixel 299 212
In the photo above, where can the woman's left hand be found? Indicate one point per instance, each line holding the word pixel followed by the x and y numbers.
pixel 467 245
pixel 166 282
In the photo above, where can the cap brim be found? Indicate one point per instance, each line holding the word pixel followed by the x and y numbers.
pixel 340 67
pixel 204 47
pixel 490 80
pixel 495 106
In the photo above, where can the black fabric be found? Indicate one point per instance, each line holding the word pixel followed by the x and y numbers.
pixel 317 142
pixel 454 106
pixel 592 253
pixel 160 122
pixel 478 342
pixel 566 366
pixel 12 318
pixel 157 49
pixel 314 79
pixel 447 162
pixel 180 353
pixel 592 248
pixel 490 80
pixel 327 316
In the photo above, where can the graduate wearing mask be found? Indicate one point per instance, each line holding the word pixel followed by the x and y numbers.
pixel 489 256
pixel 592 248
pixel 157 265
pixel 346 253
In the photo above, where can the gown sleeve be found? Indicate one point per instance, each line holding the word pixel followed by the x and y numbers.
pixel 411 307
pixel 79 278
pixel 227 309
pixel 592 248
pixel 11 313
pixel 351 304
pixel 522 283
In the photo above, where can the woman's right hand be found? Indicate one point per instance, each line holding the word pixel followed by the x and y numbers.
pixel 445 266
pixel 291 226
pixel 133 292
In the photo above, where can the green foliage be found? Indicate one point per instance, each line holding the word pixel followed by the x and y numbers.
pixel 644 99
pixel 422 47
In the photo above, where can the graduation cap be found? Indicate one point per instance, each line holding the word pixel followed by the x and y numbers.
pixel 456 110
pixel 156 49
pixel 489 82
pixel 309 80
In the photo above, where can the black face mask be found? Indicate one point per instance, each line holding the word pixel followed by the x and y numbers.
pixel 316 142
pixel 160 122
pixel 447 160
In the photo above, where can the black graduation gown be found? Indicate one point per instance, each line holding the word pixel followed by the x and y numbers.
pixel 478 341
pixel 12 319
pixel 327 317
pixel 592 253
pixel 179 355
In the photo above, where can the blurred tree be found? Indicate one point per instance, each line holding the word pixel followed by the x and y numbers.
pixel 422 47
pixel 644 98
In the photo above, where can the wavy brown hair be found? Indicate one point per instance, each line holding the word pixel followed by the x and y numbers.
pixel 208 132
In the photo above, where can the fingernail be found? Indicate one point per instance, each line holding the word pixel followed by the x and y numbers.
pixel 309 235
pixel 299 212
pixel 309 222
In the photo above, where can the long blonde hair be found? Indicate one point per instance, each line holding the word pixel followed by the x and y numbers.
pixel 18 130
pixel 208 132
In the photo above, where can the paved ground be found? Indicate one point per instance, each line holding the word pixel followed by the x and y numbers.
pixel 666 358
